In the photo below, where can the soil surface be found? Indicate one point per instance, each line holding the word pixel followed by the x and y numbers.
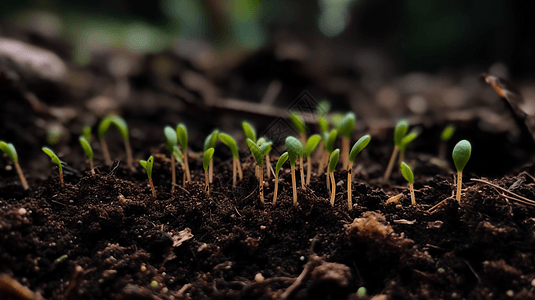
pixel 103 235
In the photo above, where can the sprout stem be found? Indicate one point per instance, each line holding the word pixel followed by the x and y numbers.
pixel 413 199
pixel 302 172
pixel 345 152
pixel 324 160
pixel 294 186
pixel 173 174
pixel 129 158
pixel 152 188
pixel 333 187
pixel 269 167
pixel 349 179
pixel 92 167
pixel 303 138
pixel 328 182
pixel 234 171
pixel 401 158
pixel 21 176
pixel 275 191
pixel 309 169
pixel 187 175
pixel 459 185
pixel 207 182
pixel 391 163
pixel 105 152
pixel 60 176
pixel 261 184
pixel 238 166
pixel 211 170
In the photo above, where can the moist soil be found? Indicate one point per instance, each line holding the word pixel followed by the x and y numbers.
pixel 103 235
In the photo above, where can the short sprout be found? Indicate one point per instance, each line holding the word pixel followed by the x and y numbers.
pixel 402 127
pixel 9 150
pixel 461 154
pixel 282 159
pixel 358 147
pixel 211 140
pixel 55 159
pixel 298 122
pixel 346 125
pixel 407 172
pixel 333 160
pixel 86 147
pixel 207 156
pixel 147 165
pixel 311 144
pixel 231 143
pixel 255 151
pixel 249 131
pixel 295 149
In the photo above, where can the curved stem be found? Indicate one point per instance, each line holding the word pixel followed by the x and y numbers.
pixel 391 163
pixel 234 167
pixel 333 188
pixel 152 188
pixel 275 191
pixel 21 176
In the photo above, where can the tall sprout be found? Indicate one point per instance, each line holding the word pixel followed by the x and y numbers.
pixel 10 151
pixel 148 165
pixel 310 146
pixel 233 146
pixel 406 172
pixel 206 159
pixel 333 161
pixel 299 125
pixel 345 129
pixel 355 150
pixel 171 143
pixel 295 149
pixel 402 127
pixel 55 159
pixel 282 159
pixel 88 151
pixel 210 142
pixel 461 154
pixel 182 137
pixel 258 153
pixel 269 168
pixel 121 125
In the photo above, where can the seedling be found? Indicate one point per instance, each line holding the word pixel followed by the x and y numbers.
pixel 295 149
pixel 86 132
pixel 55 160
pixel 249 131
pixel 461 154
pixel 445 136
pixel 328 140
pixel 147 165
pixel 355 150
pixel 88 151
pixel 333 161
pixel 282 159
pixel 405 141
pixel 206 159
pixel 210 142
pixel 258 153
pixel 299 125
pixel 409 176
pixel 171 142
pixel 236 166
pixel 121 125
pixel 269 168
pixel 399 133
pixel 182 137
pixel 310 146
pixel 345 129
pixel 10 151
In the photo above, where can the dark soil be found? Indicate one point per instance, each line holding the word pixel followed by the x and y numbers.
pixel 104 236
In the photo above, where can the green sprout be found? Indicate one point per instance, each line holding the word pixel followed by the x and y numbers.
pixel 258 153
pixel 402 127
pixel 295 149
pixel 461 154
pixel 10 151
pixel 206 162
pixel 121 125
pixel 182 136
pixel 299 125
pixel 355 150
pixel 269 168
pixel 88 151
pixel 171 142
pixel 333 161
pixel 282 159
pixel 210 142
pixel 147 165
pixel 249 131
pixel 236 166
pixel 409 176
pixel 405 141
pixel 86 132
pixel 311 145
pixel 328 142
pixel 445 136
pixel 345 129
pixel 55 160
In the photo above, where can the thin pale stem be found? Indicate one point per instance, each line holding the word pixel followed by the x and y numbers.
pixel 328 182
pixel 391 163
pixel 256 168
pixel 105 152
pixel 401 159
pixel 61 176
pixel 129 158
pixel 303 138
pixel 302 172
pixel 345 152
pixel 186 164
pixel 261 184
pixel 269 168
pixel 459 185
pixel 276 190
pixel 333 188
pixel 152 188
pixel 234 167
pixel 323 161
pixel 207 183
pixel 240 172
pixel 21 176
pixel 349 179
pixel 294 184
pixel 211 170
pixel 309 169
pixel 173 174
pixel 413 199
pixel 92 167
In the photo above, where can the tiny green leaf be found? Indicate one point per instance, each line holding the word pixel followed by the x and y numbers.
pixel 358 147
pixel 230 142
pixel 407 172
pixel 406 140
pixel 170 138
pixel 312 143
pixel 178 154
pixel 147 165
pixel 323 124
pixel 86 146
pixel 182 136
pixel 9 150
pixel 210 140
pixel 260 141
pixel 104 126
pixel 250 132
pixel 328 140
pixel 294 148
pixel 280 163
pixel 86 132
pixel 207 157
pixel 298 122
pixel 265 148
pixel 333 160
pixel 53 157
pixel 255 150
pixel 447 133
pixel 347 124
pixel 400 131
pixel 461 154
pixel 120 123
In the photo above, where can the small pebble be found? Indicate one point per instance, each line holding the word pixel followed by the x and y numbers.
pixel 510 293
pixel 258 277
pixel 263 227
pixel 22 211
pixel 9 168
